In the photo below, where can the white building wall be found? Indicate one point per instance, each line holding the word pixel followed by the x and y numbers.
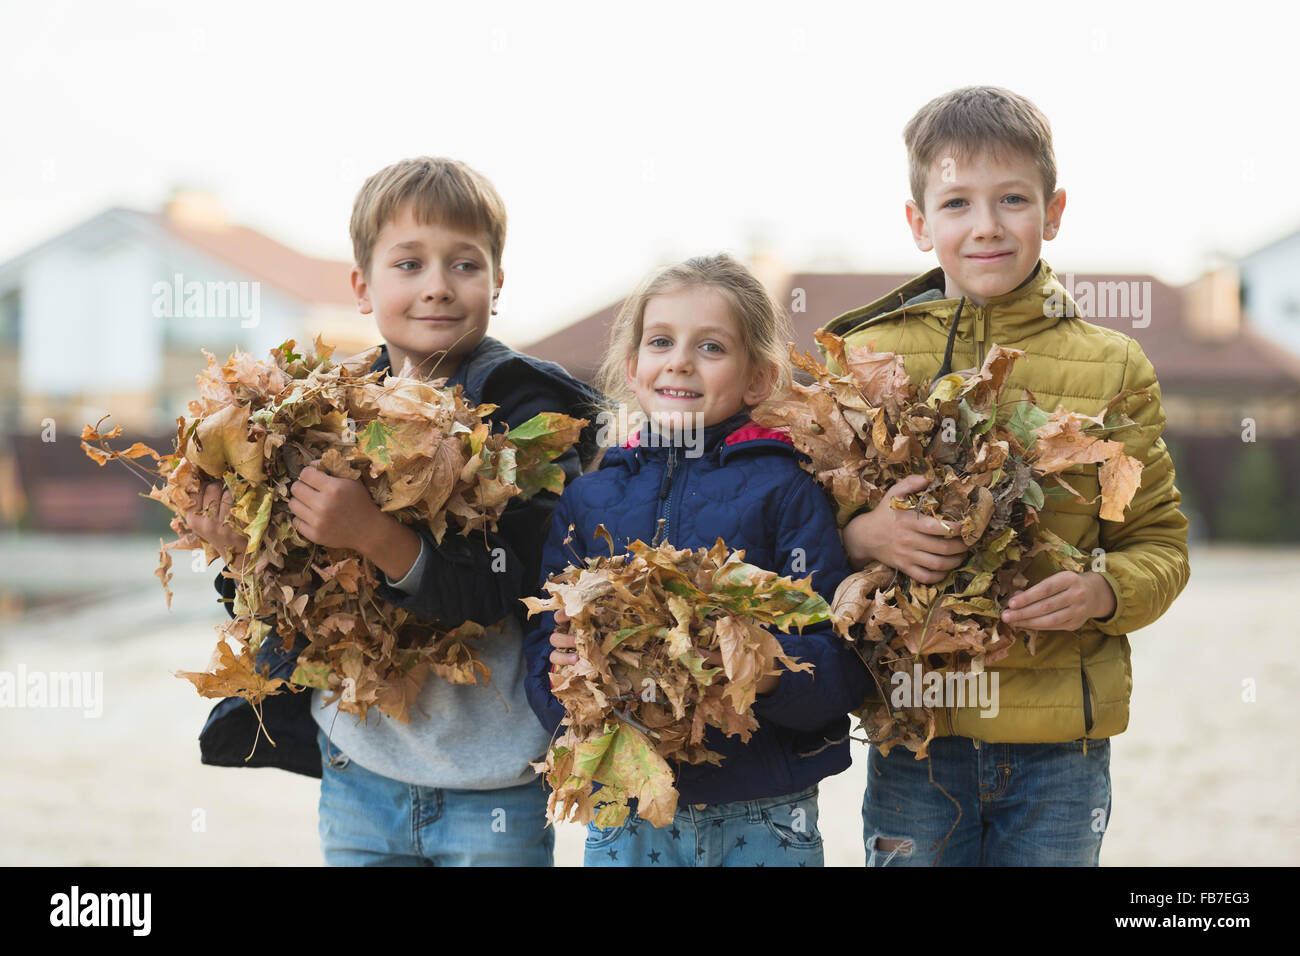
pixel 1271 278
pixel 86 321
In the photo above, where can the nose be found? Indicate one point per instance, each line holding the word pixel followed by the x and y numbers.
pixel 680 359
pixel 987 223
pixel 437 287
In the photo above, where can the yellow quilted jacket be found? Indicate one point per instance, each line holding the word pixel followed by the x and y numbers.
pixel 1077 684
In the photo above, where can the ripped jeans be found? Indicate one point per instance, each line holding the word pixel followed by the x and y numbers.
pixel 773 831
pixel 1020 804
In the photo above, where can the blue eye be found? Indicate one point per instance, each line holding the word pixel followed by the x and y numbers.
pixel 1018 199
pixel 470 266
pixel 712 345
pixel 407 262
pixel 658 341
pixel 950 203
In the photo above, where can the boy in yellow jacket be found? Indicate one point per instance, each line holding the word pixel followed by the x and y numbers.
pixel 1033 777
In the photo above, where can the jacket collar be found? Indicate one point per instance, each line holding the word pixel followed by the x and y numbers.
pixel 486 349
pixel 723 439
pixel 1037 304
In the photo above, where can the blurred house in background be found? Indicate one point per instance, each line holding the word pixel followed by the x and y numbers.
pixel 1231 395
pixel 1270 290
pixel 110 316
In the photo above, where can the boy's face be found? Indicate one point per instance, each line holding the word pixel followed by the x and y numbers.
pixel 692 360
pixel 986 218
pixel 431 288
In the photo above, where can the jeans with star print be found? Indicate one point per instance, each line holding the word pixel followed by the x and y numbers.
pixel 773 831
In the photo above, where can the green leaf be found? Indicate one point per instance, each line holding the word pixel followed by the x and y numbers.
pixel 1034 495
pixel 1024 420
pixel 373 441
pixel 968 419
pixel 312 675
pixel 631 763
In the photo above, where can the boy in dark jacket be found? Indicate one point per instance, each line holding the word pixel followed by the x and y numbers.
pixel 455 788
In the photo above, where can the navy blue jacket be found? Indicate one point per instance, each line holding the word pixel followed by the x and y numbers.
pixel 458 584
pixel 748 489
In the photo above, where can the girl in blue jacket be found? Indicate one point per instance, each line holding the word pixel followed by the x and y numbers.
pixel 696 347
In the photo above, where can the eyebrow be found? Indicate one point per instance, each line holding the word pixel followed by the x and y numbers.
pixel 1005 184
pixel 706 330
pixel 417 244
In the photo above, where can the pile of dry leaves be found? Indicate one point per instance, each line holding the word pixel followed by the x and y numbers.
pixel 424 454
pixel 642 692
pixel 868 428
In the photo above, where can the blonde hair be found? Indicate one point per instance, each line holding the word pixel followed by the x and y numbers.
pixel 764 327
pixel 973 120
pixel 439 190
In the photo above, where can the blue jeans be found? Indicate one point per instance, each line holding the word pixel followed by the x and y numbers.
pixel 1021 804
pixel 773 831
pixel 371 820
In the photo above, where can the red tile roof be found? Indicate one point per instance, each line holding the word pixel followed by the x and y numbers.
pixel 316 281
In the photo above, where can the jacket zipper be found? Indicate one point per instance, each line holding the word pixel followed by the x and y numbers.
pixel 1087 705
pixel 665 499
pixel 981 330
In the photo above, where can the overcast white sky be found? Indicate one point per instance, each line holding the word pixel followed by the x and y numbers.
pixel 624 134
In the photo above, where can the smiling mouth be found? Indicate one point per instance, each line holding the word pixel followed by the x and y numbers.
pixel 436 318
pixel 676 393
pixel 988 256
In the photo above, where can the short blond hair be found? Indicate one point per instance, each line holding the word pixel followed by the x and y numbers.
pixel 764 327
pixel 439 190
pixel 973 120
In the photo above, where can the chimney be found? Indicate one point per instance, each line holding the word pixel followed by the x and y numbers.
pixel 195 208
pixel 766 264
pixel 1214 301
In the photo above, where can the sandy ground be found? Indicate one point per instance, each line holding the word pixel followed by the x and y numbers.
pixel 1202 776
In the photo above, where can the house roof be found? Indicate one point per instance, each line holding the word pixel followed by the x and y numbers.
pixel 305 278
pixel 318 281
pixel 1243 363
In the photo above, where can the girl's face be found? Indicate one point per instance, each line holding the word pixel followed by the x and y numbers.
pixel 692 360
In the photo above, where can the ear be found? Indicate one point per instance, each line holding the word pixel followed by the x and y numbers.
pixel 762 382
pixel 501 277
pixel 629 370
pixel 362 292
pixel 1055 208
pixel 920 228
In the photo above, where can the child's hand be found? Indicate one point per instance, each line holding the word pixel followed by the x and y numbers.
pixel 333 512
pixel 907 541
pixel 339 513
pixel 1062 602
pixel 563 643
pixel 209 522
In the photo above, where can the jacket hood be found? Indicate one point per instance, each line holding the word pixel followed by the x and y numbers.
pixel 1035 305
